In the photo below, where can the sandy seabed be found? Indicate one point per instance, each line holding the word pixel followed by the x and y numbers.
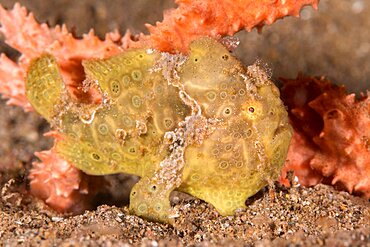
pixel 319 216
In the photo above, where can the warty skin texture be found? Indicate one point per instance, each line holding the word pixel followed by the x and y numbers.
pixel 204 124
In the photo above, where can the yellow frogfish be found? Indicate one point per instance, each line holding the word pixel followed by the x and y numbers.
pixel 203 124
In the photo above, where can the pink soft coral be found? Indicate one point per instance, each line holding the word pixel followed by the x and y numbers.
pixel 62 186
pixel 197 18
pixel 192 19
pixel 58 183
pixel 332 133
pixel 31 39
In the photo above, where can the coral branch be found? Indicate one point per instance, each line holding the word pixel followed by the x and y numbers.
pixel 31 39
pixel 332 133
pixel 62 186
pixel 199 18
pixel 12 85
pixel 54 181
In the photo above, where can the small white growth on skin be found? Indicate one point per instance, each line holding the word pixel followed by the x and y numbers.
pixel 90 120
pixel 149 51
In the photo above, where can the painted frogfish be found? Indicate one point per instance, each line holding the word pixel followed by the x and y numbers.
pixel 203 124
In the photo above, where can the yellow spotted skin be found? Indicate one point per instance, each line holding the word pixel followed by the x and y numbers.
pixel 207 125
pixel 44 86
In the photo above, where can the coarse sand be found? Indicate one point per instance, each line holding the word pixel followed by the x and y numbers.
pixel 274 217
